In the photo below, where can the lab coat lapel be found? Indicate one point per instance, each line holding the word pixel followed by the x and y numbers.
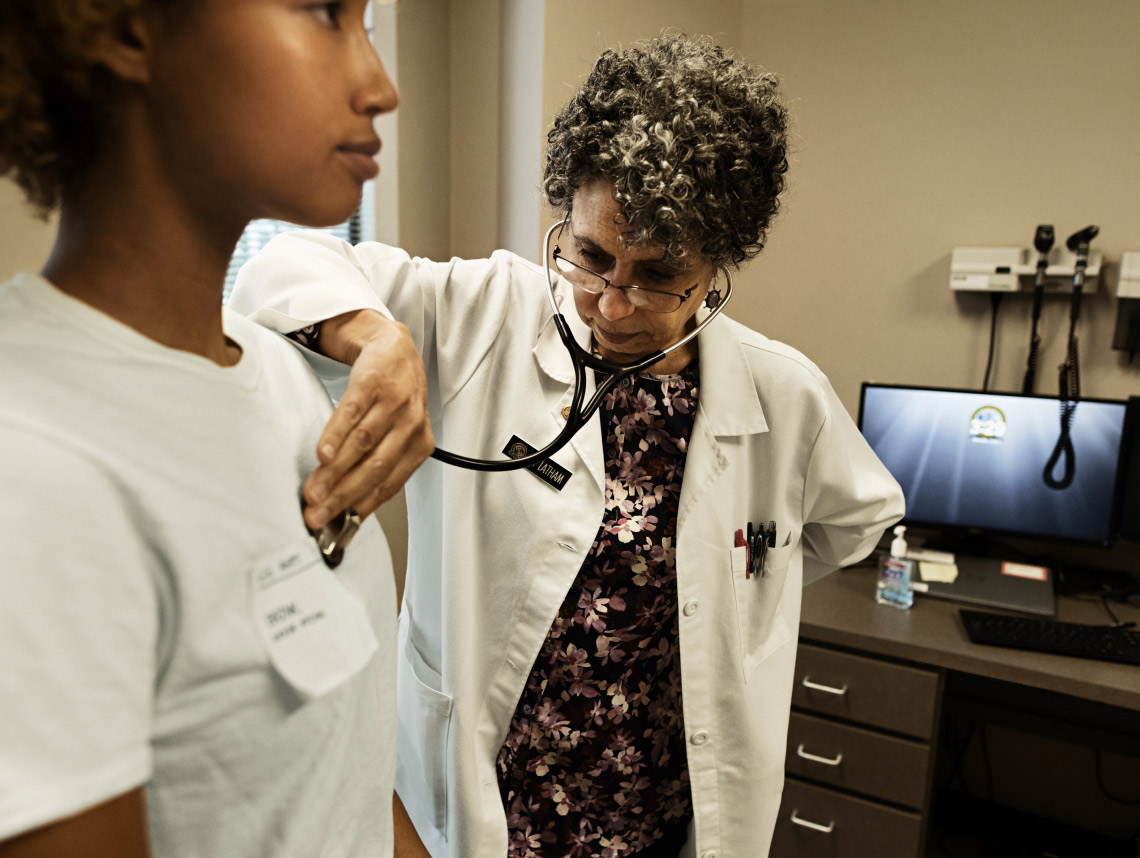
pixel 729 401
pixel 552 360
pixel 550 353
pixel 728 406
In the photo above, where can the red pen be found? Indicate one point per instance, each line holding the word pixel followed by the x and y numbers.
pixel 741 542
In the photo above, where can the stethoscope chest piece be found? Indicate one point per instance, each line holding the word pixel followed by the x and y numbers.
pixel 334 537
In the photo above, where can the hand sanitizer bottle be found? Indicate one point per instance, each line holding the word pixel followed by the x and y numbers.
pixel 894 575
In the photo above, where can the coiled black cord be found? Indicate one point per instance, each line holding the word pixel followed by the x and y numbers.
pixel 995 305
pixel 1031 365
pixel 1070 379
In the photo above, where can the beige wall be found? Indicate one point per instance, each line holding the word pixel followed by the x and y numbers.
pixel 25 240
pixel 576 33
pixel 475 47
pixel 924 126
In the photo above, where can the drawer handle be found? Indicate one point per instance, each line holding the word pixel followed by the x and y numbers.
pixel 814 826
pixel 827 761
pixel 815 686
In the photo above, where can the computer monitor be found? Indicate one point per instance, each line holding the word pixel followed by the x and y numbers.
pixel 973 463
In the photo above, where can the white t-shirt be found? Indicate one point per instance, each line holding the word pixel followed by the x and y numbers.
pixel 139 488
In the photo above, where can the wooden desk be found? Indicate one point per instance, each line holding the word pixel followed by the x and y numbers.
pixel 841 610
pixel 878 652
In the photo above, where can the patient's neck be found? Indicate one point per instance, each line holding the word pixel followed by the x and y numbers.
pixel 143 257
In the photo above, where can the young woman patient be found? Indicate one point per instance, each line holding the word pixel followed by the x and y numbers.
pixel 182 672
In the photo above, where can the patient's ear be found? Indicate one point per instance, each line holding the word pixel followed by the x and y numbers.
pixel 123 45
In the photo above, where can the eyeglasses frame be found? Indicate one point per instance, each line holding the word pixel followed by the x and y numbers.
pixel 681 297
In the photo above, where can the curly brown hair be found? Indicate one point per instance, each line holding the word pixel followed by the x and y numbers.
pixel 694 141
pixel 53 91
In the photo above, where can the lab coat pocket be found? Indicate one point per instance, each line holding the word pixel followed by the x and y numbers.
pixel 423 733
pixel 762 626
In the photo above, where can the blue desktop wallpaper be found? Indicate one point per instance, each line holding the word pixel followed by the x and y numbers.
pixel 977 459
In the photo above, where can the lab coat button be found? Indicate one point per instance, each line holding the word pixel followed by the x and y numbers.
pixel 700 737
pixel 566 413
pixel 712 853
pixel 690 608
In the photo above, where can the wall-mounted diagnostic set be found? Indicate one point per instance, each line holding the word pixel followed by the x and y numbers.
pixel 1127 334
pixel 1016 269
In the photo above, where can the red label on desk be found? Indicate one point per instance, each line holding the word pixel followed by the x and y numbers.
pixel 1024 570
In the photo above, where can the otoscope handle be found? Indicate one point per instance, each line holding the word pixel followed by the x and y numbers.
pixel 1078 284
pixel 1039 287
pixel 1078 242
pixel 1043 241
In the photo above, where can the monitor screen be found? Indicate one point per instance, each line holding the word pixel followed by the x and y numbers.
pixel 973 460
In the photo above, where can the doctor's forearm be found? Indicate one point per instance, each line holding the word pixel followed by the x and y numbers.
pixel 343 337
pixel 380 431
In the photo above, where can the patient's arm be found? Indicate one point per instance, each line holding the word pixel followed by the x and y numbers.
pixel 117 827
pixel 407 841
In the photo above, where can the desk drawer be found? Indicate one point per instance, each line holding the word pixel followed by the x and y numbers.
pixel 872 692
pixel 852 827
pixel 859 760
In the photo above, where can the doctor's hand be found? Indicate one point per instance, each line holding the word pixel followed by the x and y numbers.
pixel 380 431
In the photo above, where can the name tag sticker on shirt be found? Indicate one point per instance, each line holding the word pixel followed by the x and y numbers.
pixel 316 632
pixel 546 470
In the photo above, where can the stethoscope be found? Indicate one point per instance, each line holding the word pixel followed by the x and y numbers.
pixel 578 415
pixel 335 536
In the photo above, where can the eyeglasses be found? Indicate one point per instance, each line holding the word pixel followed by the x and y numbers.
pixel 651 300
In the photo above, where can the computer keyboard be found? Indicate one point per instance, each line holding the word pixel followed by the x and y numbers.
pixel 1103 643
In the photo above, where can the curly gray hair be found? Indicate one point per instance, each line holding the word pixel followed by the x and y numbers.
pixel 694 141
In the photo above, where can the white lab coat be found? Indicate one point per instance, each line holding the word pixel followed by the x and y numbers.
pixel 492 556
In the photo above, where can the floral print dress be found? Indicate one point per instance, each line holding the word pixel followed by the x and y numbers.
pixel 594 760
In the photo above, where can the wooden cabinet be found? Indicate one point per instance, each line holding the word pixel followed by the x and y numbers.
pixel 860 757
pixel 874 685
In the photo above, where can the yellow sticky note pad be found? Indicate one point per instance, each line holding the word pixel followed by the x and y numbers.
pixel 944 573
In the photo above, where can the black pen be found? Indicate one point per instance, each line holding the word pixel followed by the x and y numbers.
pixel 764 539
pixel 749 569
pixel 759 549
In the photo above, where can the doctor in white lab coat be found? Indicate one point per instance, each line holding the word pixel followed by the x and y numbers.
pixel 493 556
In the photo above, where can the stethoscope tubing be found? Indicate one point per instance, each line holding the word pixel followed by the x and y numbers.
pixel 577 416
